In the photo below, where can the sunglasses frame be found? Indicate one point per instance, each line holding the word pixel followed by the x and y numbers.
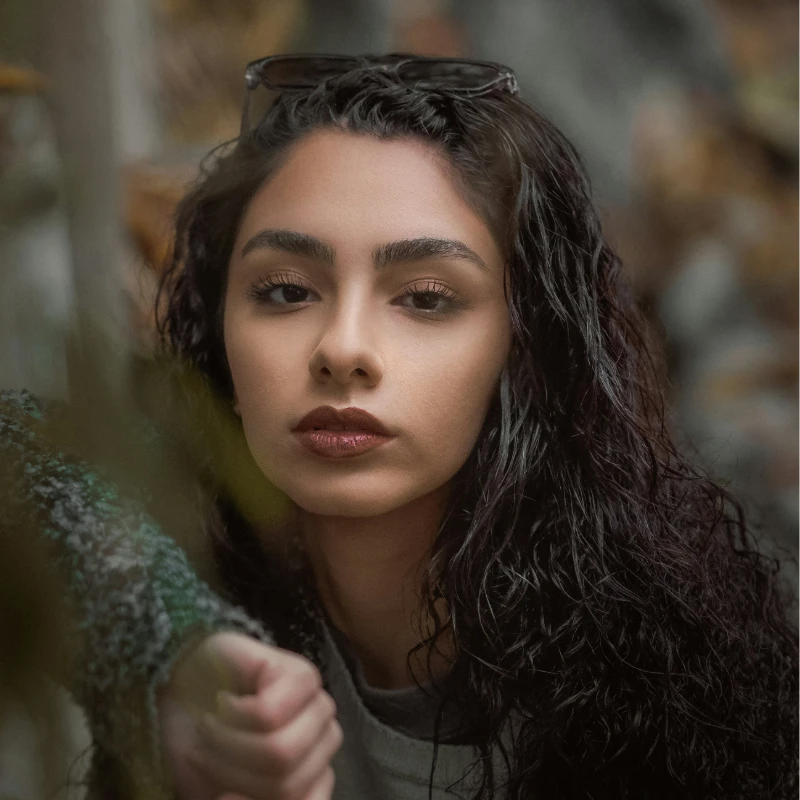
pixel 254 74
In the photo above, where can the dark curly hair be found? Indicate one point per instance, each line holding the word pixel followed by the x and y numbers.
pixel 602 589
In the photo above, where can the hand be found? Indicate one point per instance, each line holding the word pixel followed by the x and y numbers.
pixel 241 720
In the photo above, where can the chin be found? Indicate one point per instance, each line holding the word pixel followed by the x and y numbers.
pixel 357 496
pixel 337 504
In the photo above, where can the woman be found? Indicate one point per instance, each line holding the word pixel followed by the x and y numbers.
pixel 513 568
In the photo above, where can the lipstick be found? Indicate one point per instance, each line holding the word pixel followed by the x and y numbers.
pixel 340 444
pixel 341 433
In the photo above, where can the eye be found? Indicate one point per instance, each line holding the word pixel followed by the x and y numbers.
pixel 268 291
pixel 433 299
pixel 430 299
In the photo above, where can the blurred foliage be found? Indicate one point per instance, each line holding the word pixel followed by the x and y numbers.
pixel 165 439
pixel 203 48
pixel 710 239
pixel 761 35
pixel 762 45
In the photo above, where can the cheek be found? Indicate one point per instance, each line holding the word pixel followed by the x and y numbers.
pixel 453 396
pixel 258 369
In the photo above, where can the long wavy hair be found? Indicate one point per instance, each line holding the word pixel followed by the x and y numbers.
pixel 601 589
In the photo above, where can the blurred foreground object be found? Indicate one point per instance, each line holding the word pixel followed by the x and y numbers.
pixel 152 191
pixel 41 732
pixel 82 62
pixel 35 277
pixel 75 480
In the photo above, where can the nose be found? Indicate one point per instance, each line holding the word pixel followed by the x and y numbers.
pixel 347 350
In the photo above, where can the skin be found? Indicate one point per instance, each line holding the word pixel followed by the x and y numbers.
pixel 355 339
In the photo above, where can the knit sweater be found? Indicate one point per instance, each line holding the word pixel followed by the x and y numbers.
pixel 140 606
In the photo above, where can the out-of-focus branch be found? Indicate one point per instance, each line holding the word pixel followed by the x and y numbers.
pixel 77 60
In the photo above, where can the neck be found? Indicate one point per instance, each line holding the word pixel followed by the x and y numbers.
pixel 368 572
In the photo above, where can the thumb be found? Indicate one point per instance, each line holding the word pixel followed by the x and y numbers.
pixel 241 663
pixel 222 661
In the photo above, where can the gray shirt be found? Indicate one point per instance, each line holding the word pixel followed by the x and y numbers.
pixel 386 754
pixel 408 710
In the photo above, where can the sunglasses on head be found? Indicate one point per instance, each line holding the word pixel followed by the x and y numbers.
pixel 303 72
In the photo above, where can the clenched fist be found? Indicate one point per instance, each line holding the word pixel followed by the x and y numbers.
pixel 242 720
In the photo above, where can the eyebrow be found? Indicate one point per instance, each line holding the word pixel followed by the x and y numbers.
pixel 425 247
pixel 384 255
pixel 292 242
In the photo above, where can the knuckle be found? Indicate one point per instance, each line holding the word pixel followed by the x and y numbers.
pixel 268 713
pixel 292 789
pixel 329 705
pixel 304 666
pixel 283 753
pixel 336 735
pixel 289 789
pixel 309 678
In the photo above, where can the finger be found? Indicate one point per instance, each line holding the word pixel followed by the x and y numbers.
pixel 304 778
pixel 272 708
pixel 237 783
pixel 277 752
pixel 260 786
pixel 323 788
pixel 245 662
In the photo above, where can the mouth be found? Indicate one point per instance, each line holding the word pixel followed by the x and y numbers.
pixel 341 433
pixel 344 420
pixel 339 429
pixel 340 444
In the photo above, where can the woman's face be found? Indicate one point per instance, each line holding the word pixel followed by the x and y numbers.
pixel 348 334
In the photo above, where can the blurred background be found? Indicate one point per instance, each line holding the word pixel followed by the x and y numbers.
pixel 686 113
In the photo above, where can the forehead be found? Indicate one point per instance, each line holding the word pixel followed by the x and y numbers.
pixel 350 189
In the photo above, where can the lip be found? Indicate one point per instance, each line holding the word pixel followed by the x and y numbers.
pixel 353 420
pixel 362 432
pixel 340 444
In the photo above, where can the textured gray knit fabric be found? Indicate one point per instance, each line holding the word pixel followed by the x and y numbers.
pixel 140 605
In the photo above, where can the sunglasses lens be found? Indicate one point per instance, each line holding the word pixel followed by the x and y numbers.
pixel 458 74
pixel 305 72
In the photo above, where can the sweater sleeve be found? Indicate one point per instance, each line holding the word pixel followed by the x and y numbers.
pixel 139 604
